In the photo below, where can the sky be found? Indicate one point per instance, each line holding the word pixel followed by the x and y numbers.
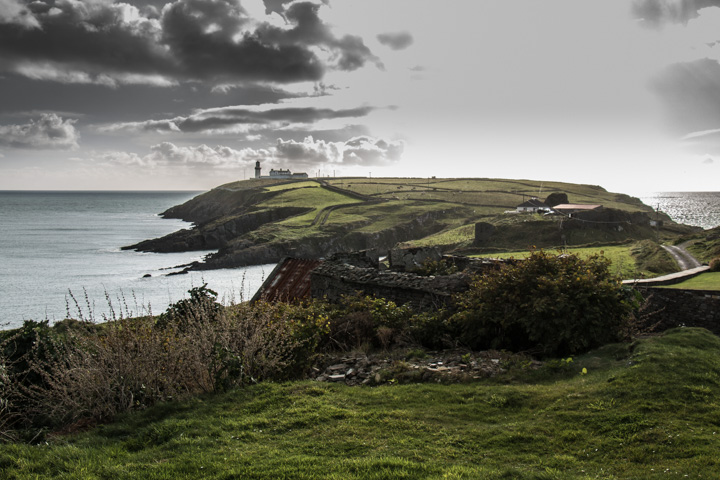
pixel 189 94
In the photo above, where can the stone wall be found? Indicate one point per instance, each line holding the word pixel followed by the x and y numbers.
pixel 333 280
pixel 669 308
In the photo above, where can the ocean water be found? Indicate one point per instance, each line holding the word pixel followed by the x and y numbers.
pixel 701 209
pixel 61 250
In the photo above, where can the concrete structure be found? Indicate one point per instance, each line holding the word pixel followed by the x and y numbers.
pixel 278 174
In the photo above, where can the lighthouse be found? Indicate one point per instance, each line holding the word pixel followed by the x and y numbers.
pixel 257 169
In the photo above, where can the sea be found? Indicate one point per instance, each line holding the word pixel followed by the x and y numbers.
pixel 60 256
pixel 700 209
pixel 60 253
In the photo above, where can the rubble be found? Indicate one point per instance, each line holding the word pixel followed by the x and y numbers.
pixel 450 366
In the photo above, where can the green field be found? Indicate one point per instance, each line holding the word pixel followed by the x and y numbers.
pixel 307 197
pixel 292 186
pixel 705 281
pixel 496 194
pixel 623 263
pixel 650 414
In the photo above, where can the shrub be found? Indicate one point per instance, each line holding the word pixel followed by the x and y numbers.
pixel 553 305
pixel 200 306
pixel 715 264
pixel 7 417
pixel 363 319
pixel 91 374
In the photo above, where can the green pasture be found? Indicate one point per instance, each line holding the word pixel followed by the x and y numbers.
pixel 292 186
pixel 500 193
pixel 315 198
pixel 621 258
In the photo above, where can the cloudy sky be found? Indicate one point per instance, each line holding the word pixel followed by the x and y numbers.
pixel 188 94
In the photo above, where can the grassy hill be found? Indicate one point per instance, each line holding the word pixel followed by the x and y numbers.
pixel 262 220
pixel 645 410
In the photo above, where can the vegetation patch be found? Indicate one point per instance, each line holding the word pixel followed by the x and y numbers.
pixel 653 414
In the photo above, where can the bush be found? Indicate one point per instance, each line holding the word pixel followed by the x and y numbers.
pixel 715 265
pixel 548 304
pixel 360 320
pixel 200 306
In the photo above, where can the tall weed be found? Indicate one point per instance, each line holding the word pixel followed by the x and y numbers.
pixel 67 377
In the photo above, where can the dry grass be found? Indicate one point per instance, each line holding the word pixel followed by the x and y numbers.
pixel 92 372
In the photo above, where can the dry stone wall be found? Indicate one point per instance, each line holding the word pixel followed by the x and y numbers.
pixel 670 308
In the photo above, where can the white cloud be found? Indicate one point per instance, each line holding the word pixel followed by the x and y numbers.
pixel 310 153
pixel 48 132
pixel 168 154
pixel 13 11
pixel 358 151
pixel 49 71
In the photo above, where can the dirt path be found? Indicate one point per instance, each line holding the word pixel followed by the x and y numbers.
pixel 684 259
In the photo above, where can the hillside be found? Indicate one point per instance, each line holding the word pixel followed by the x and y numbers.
pixel 263 220
pixel 646 410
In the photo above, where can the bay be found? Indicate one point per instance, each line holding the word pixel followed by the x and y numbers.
pixel 60 253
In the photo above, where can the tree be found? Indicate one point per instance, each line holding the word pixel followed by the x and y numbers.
pixel 556 198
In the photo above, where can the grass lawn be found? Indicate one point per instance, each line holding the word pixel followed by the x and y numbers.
pixel 705 281
pixel 654 414
pixel 621 257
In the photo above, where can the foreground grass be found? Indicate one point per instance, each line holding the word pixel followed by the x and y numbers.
pixel 652 415
pixel 706 281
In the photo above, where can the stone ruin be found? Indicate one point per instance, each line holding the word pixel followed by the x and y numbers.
pixel 343 275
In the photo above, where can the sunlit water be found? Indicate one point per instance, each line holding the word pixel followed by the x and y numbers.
pixel 62 249
pixel 701 209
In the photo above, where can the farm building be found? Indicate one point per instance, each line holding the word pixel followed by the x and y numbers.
pixel 532 206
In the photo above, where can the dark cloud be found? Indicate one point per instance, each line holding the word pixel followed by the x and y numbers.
pixel 228 117
pixel 708 161
pixel 48 132
pixel 396 41
pixel 84 42
pixel 278 6
pixel 690 95
pixel 202 36
pixel 658 12
pixel 97 104
pixel 101 42
pixel 347 53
